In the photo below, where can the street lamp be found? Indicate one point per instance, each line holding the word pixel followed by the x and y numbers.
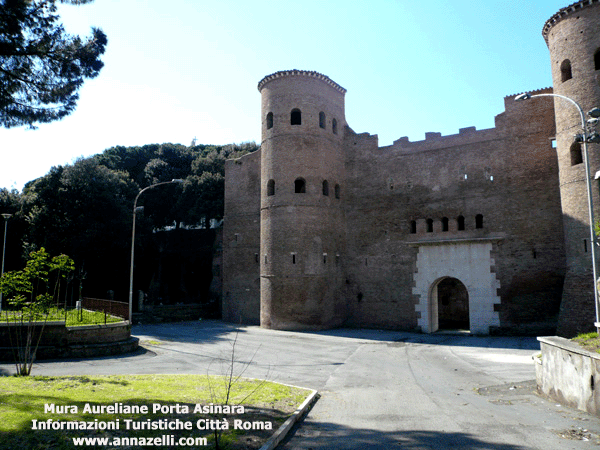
pixel 6 217
pixel 588 135
pixel 133 242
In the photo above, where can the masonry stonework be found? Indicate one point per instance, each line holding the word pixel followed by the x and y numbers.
pixel 323 227
pixel 573 39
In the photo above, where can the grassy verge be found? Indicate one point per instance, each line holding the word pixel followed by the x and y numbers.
pixel 72 317
pixel 25 399
pixel 589 341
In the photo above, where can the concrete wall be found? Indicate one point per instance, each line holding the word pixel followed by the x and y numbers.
pixel 569 374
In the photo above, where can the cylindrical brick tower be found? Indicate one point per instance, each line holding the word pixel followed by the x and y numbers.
pixel 573 38
pixel 302 232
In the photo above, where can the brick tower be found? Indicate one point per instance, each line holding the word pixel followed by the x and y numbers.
pixel 573 38
pixel 302 233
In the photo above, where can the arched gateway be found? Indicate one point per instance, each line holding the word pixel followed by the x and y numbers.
pixel 452 304
pixel 455 286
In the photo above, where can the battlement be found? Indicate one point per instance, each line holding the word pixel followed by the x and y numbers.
pixel 546 90
pixel 436 140
pixel 565 12
pixel 300 73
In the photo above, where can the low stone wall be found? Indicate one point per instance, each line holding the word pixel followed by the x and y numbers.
pixel 168 313
pixel 569 374
pixel 60 341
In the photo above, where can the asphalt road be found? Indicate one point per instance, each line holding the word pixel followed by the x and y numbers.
pixel 379 389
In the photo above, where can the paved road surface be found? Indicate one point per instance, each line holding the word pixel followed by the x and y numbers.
pixel 380 390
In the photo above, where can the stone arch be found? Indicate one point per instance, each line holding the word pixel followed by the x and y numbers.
pixel 451 304
pixel 469 262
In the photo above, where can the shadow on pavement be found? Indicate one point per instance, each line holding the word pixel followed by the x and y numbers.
pixel 192 332
pixel 207 331
pixel 326 436
pixel 458 339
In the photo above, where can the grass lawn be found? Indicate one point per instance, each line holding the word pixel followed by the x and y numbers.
pixel 25 399
pixel 73 317
pixel 589 341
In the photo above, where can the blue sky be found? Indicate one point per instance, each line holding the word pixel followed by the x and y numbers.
pixel 189 68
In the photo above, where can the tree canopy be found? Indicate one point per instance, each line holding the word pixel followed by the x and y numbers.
pixel 41 66
pixel 85 209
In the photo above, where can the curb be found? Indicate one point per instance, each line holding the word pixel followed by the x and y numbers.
pixel 284 429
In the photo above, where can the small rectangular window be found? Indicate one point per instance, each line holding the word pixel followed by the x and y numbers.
pixel 324 258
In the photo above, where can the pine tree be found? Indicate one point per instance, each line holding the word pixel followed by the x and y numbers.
pixel 41 66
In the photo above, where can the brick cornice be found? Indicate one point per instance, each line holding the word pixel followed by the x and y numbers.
pixel 565 12
pixel 300 73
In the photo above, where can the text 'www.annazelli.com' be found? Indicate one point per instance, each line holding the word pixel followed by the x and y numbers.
pixel 159 441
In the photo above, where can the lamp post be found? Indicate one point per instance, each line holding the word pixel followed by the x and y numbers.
pixel 133 242
pixel 6 217
pixel 587 136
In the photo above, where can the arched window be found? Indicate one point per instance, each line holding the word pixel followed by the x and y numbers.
pixel 337 191
pixel 565 70
pixel 576 154
pixel 271 187
pixel 479 221
pixel 460 223
pixel 300 186
pixel 325 187
pixel 269 121
pixel 597 59
pixel 334 126
pixel 322 119
pixel 296 117
pixel 413 227
pixel 430 225
pixel 445 222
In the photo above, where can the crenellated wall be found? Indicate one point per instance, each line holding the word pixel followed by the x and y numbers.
pixel 325 260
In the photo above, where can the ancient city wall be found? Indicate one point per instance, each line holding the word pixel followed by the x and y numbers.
pixel 241 240
pixel 506 174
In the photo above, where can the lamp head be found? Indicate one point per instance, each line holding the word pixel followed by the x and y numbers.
pixel 594 112
pixel 177 180
pixel 523 96
pixel 7 216
pixel 594 138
